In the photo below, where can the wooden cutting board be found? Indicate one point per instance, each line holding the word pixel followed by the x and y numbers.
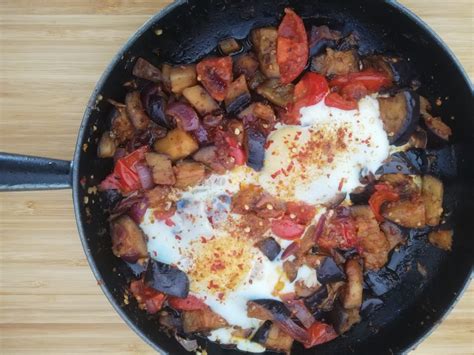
pixel 52 52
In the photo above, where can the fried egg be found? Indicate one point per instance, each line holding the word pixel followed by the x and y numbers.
pixel 310 162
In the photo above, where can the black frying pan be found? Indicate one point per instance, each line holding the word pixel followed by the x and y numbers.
pixel 413 304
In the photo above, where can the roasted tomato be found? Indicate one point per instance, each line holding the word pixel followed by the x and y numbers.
pixel 372 80
pixel 300 212
pixel 190 303
pixel 292 47
pixel 285 228
pixel 147 298
pixel 333 99
pixel 355 91
pixel 383 193
pixel 310 90
pixel 339 231
pixel 320 333
pixel 215 74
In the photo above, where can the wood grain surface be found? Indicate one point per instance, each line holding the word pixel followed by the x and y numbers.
pixel 52 52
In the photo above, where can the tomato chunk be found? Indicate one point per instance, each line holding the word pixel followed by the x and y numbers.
pixel 147 297
pixel 300 212
pixel 355 91
pixel 333 99
pixel 287 229
pixel 310 90
pixel 215 75
pixel 372 80
pixel 236 151
pixel 383 193
pixel 190 303
pixel 320 333
pixel 292 47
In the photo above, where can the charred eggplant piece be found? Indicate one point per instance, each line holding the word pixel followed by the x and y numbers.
pixel 272 338
pixel 145 70
pixel 276 92
pixel 189 173
pixel 419 138
pixel 329 271
pixel 316 299
pixel 200 100
pixel 229 46
pixel 394 233
pixel 321 37
pixel 238 95
pixel 177 144
pixel 400 115
pixel 246 65
pixel 411 162
pixel 167 279
pixel 136 111
pixel 442 239
pixel 396 68
pixel 335 62
pixel 254 144
pixel 351 296
pixel 155 105
pixel 432 191
pixel 269 247
pixel 370 305
pixel 128 241
pixel 407 213
pixel 343 319
pixel 265 41
pixel 361 195
pixel 202 320
pixel 437 127
pixel 171 319
pixel 161 168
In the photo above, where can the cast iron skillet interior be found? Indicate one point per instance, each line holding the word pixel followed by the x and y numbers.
pixel 191 29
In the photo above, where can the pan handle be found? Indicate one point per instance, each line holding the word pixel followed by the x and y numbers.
pixel 23 172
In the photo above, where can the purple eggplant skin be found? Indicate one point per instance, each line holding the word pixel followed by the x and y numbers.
pixel 341 318
pixel 369 305
pixel 313 301
pixel 361 196
pixel 329 271
pixel 276 308
pixel 269 247
pixel 254 144
pixel 154 102
pixel 167 279
pixel 239 103
pixel 261 334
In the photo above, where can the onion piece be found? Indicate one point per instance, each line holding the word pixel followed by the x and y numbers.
pixel 145 176
pixel 187 344
pixel 138 210
pixel 300 311
pixel 185 116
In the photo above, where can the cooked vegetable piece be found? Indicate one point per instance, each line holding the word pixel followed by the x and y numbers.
pixel 159 199
pixel 396 68
pixel 154 102
pixel 299 310
pixel 190 303
pixel 177 144
pixel 333 99
pixel 107 146
pixel 170 320
pixel 351 296
pixel 321 37
pixel 147 298
pixel 182 77
pixel 183 115
pixel 410 162
pixel 292 46
pixel 438 127
pixel 343 319
pixel 320 333
pixel 272 338
pixel 442 239
pixel 265 45
pixel 383 193
pixel 210 157
pixel 254 145
pixel 246 65
pixel 329 271
pixel 215 74
pixel 259 311
pixel 316 299
pixel 165 76
pixel 200 99
pixel 400 114
pixel 335 62
pixel 238 95
pixel 269 247
pixel 257 80
pixel 202 320
pixel 128 242
pixel 287 229
pixel 135 110
pixel 254 227
pixel 337 231
pixel 229 46
pixel 167 279
pixel 291 269
pixel 432 192
pixel 394 234
pixel 122 128
pixel 145 70
pixel 419 138
pixel 276 92
pixel 407 213
pixel 303 290
pixel 374 243
pixel 189 173
pixel 259 116
pixel 162 169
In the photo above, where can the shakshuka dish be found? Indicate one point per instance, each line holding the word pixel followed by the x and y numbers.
pixel 254 191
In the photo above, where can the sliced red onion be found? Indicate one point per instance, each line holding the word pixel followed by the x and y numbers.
pixel 124 205
pixel 138 210
pixel 300 311
pixel 144 174
pixel 119 153
pixel 318 231
pixel 185 116
pixel 290 250
pixel 292 329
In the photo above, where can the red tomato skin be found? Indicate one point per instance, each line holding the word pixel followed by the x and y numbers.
pixel 303 213
pixel 292 47
pixel 371 79
pixel 287 229
pixel 152 299
pixel 320 333
pixel 382 194
pixel 333 99
pixel 354 91
pixel 190 303
pixel 215 74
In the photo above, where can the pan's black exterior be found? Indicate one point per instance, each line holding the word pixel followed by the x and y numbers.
pixel 191 29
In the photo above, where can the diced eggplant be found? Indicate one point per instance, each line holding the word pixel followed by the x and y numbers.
pixel 314 301
pixel 335 62
pixel 200 99
pixel 246 65
pixel 436 126
pixel 329 271
pixel 202 320
pixel 255 309
pixel 167 279
pixel 147 137
pixel 128 241
pixel 165 76
pixel 370 305
pixel 145 70
pixel 122 128
pixel 238 95
pixel 404 185
pixel 407 213
pixel 276 92
pixel 106 147
pixel 154 102
pixel 343 319
pixel 235 128
pixel 361 195
pixel 183 115
pixel 394 233
pixel 136 111
pixel 418 139
pixel 254 144
pixel 400 115
pixel 258 79
pixel 229 46
pixel 299 310
pixel 177 144
pixel 321 37
pixel 210 157
pixel 375 246
pixel 291 269
pixel 269 247
pixel 396 68
pixel 442 239
pixel 182 77
pixel 189 173
pixel 265 42
pixel 259 116
pixel 272 338
pixel 432 192
pixel 351 296
pixel 162 169
pixel 411 162
pixel 170 319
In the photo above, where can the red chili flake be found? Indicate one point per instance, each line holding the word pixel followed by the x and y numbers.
pixel 341 183
pixel 290 166
pixel 221 295
pixel 268 144
pixel 212 284
pixel 275 174
pixel 155 253
pixel 217 265
pixel 169 222
pixel 177 237
pixel 241 266
pixel 209 218
pixel 203 240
